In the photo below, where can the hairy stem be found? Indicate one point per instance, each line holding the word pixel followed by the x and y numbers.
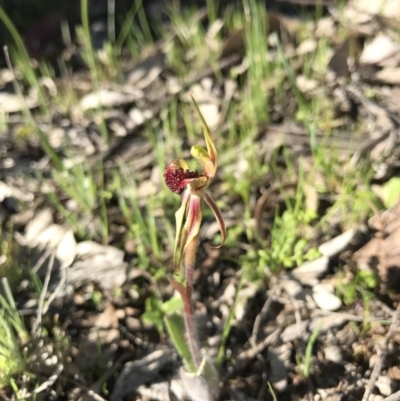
pixel 190 324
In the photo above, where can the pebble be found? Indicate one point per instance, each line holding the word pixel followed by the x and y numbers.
pixel 133 324
pixel 384 385
pixel 325 299
pixel 333 354
pixel 328 323
pixel 294 331
pixel 309 272
pixel 279 358
pixel 337 244
pixel 292 287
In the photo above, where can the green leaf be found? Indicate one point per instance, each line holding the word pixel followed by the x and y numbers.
pixel 391 192
pixel 153 313
pixel 367 279
pixel 176 330
pixel 172 305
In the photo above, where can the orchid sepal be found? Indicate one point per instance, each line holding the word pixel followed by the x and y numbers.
pixel 211 150
pixel 180 232
pixel 218 216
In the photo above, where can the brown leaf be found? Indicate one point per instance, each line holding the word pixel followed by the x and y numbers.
pixel 382 252
pixel 339 61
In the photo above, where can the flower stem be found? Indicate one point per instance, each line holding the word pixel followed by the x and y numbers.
pixel 190 324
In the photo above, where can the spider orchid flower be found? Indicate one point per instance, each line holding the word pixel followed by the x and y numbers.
pixel 192 186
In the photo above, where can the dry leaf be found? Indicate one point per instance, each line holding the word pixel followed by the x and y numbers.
pixel 11 103
pixel 388 75
pixel 381 48
pixel 146 72
pixel 106 98
pixel 385 8
pixel 339 61
pixel 139 372
pixel 99 347
pixel 382 252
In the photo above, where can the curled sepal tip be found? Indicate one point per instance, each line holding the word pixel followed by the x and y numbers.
pixel 218 215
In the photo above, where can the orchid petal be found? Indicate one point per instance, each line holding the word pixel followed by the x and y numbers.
pixel 197 183
pixel 212 151
pixel 193 219
pixel 180 231
pixel 204 159
pixel 177 164
pixel 217 213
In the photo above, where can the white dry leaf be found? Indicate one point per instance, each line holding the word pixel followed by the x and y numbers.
pixel 138 117
pixel 59 239
pixel 5 191
pixel 91 249
pixel 12 103
pixel 146 72
pixel 337 244
pixel 6 76
pixel 306 85
pixel 147 189
pixel 379 49
pixel 105 98
pixel 324 297
pixel 201 95
pixel 307 46
pixel 156 392
pixel 247 293
pixel 42 235
pixel 326 27
pixel 66 249
pixel 384 8
pixel 196 387
pixel 309 272
pixel 210 113
pixel 141 371
pixel 385 385
pixel 213 31
pixel 388 75
pixel 103 264
pixel 279 358
pixel 39 223
pixel 173 85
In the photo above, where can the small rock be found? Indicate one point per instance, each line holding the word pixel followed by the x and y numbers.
pixel 333 354
pixel 294 331
pixel 374 360
pixel 334 397
pixel 133 324
pixel 105 98
pixel 146 72
pixel 39 223
pixel 307 46
pixel 337 244
pixel 12 103
pixel 306 85
pixel 325 299
pixel 141 371
pixel 279 358
pixel 211 114
pixel 309 272
pixel 384 385
pixel 292 287
pixel 328 323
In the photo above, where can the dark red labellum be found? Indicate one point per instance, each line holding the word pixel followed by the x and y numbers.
pixel 174 178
